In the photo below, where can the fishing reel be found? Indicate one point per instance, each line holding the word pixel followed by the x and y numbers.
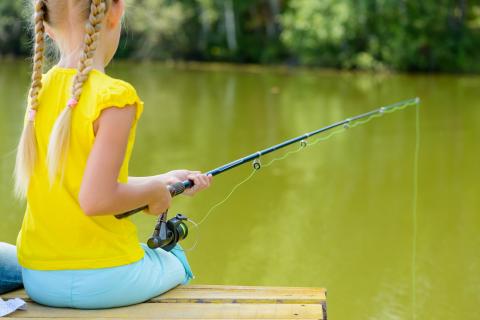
pixel 168 233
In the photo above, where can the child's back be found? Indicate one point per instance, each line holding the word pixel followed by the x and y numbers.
pixel 70 239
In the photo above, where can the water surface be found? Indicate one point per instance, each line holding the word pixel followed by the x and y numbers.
pixel 336 215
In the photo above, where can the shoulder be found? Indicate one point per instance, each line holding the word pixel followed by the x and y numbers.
pixel 109 88
pixel 112 92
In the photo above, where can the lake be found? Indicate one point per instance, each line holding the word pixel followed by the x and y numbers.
pixel 338 214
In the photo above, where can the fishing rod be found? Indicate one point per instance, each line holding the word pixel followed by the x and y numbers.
pixel 168 233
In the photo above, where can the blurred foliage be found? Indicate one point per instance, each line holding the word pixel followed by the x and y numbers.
pixel 218 30
pixel 13 27
pixel 316 30
pixel 406 35
pixel 429 35
pixel 157 28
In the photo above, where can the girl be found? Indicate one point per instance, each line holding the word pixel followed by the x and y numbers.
pixel 72 165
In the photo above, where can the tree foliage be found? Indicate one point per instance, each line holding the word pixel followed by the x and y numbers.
pixel 429 35
pixel 404 35
pixel 13 25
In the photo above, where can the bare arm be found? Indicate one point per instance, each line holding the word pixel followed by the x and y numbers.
pixel 200 181
pixel 139 180
pixel 100 193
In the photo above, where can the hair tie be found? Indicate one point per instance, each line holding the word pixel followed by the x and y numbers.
pixel 31 114
pixel 72 103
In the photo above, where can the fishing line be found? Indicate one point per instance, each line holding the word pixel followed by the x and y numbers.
pixel 197 225
pixel 414 212
pixel 167 233
pixel 228 196
pixel 197 237
pixel 303 144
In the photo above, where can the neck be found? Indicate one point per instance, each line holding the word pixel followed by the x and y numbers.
pixel 68 61
pixel 70 56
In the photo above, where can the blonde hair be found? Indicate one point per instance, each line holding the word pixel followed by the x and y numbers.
pixel 60 135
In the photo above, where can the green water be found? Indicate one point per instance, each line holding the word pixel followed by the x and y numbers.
pixel 337 215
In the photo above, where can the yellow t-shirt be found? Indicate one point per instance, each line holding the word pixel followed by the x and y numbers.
pixel 56 234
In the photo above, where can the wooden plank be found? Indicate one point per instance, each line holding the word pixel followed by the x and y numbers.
pixel 201 302
pixel 229 294
pixel 242 294
pixel 230 287
pixel 16 294
pixel 181 311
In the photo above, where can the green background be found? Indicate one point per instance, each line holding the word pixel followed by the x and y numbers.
pixel 337 215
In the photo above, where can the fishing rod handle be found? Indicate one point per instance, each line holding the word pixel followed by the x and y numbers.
pixel 175 189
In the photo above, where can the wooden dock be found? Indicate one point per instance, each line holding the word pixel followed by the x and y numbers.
pixel 200 302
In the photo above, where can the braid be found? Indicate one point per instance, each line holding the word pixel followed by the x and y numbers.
pixel 92 30
pixel 38 55
pixel 60 137
pixel 27 147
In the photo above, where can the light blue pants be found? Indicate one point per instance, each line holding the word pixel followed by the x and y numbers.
pixel 10 270
pixel 158 272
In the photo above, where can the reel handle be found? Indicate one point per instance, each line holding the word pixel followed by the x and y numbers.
pixel 174 189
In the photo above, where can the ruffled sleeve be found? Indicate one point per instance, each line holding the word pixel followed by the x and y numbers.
pixel 119 94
